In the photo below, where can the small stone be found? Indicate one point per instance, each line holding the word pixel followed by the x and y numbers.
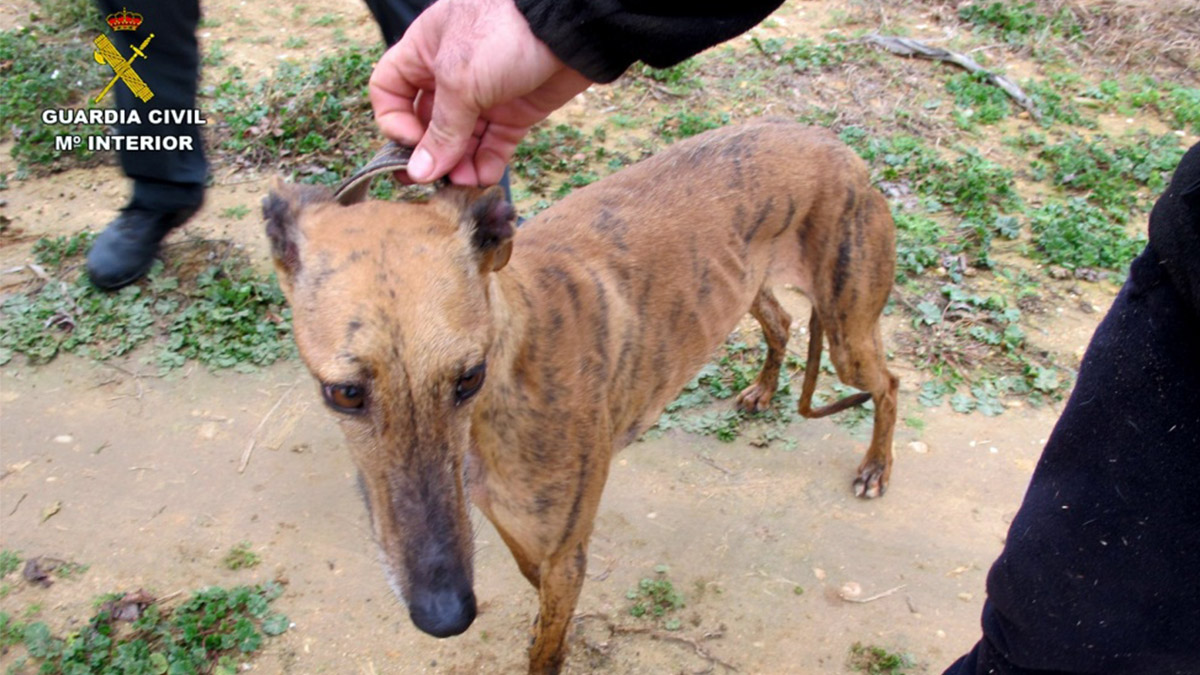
pixel 64 438
pixel 919 447
pixel 966 597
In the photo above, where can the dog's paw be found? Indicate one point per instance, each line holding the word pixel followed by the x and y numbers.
pixel 870 482
pixel 755 398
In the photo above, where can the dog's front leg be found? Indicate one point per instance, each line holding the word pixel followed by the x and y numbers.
pixel 561 573
pixel 561 580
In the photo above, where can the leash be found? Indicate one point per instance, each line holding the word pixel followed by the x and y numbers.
pixel 391 157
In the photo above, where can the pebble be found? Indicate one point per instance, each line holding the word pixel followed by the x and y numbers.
pixel 966 597
pixel 918 447
pixel 64 438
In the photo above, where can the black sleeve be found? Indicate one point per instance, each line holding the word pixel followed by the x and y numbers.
pixel 601 38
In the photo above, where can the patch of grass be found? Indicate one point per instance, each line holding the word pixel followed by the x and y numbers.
pixel 236 212
pixel 69 569
pixel 224 315
pixel 241 557
pixel 1111 175
pixel 313 117
pixel 679 78
pixel 77 15
pixel 879 661
pixel 565 153
pixel 704 407
pixel 213 631
pixel 978 190
pixel 1054 103
pixel 920 244
pixel 1076 234
pixel 1183 104
pixel 975 349
pixel 214 55
pixel 10 561
pixel 803 54
pixel 295 42
pixel 1017 22
pixel 687 123
pixel 979 101
pixel 325 20
pixel 656 598
pixel 43 69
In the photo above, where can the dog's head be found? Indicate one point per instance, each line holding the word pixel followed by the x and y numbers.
pixel 390 313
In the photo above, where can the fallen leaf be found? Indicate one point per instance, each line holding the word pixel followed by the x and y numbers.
pixel 49 511
pixel 37 572
pixel 130 606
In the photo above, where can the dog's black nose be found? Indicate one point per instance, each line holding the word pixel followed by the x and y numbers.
pixel 443 612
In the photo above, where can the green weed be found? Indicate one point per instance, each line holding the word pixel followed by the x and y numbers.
pixel 656 598
pixel 313 116
pixel 802 55
pixel 686 123
pixel 77 15
pixel 920 244
pixel 213 631
pixel 1016 22
pixel 879 661
pixel 236 212
pixel 9 562
pixel 241 557
pixel 679 78
pixel 42 69
pixel 1076 234
pixel 226 315
pixel 1183 104
pixel 978 100
pixel 561 152
pixel 1112 175
pixel 976 342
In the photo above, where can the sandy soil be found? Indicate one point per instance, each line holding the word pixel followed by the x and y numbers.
pixel 146 472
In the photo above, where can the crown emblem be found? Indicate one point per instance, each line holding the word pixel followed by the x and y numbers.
pixel 124 20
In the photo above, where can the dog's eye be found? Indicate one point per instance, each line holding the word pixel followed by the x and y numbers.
pixel 347 398
pixel 470 382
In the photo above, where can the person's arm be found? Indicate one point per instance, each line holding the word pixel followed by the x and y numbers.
pixel 602 38
pixel 470 77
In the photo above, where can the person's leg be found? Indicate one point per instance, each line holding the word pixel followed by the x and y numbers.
pixel 168 185
pixel 395 16
pixel 1098 572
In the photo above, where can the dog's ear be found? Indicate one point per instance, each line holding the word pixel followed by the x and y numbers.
pixel 281 209
pixel 488 218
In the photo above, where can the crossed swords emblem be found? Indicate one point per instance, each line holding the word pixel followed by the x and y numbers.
pixel 107 52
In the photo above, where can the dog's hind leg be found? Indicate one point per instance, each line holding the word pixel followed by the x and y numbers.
pixel 856 350
pixel 775 322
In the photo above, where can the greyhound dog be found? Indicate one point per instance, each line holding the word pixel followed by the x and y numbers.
pixel 468 361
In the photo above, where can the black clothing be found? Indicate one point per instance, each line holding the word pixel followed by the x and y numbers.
pixel 164 180
pixel 601 38
pixel 1101 569
pixel 173 181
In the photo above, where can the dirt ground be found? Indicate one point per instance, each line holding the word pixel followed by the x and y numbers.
pixel 145 470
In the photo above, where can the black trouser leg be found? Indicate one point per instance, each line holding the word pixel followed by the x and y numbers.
pixel 1099 570
pixel 163 180
pixel 395 16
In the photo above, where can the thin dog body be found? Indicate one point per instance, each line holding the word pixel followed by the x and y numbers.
pixel 464 362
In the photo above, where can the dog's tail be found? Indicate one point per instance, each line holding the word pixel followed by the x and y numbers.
pixel 815 337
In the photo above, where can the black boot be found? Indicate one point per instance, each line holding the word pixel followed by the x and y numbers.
pixel 126 249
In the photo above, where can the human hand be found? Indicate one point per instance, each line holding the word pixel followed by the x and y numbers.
pixel 464 85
